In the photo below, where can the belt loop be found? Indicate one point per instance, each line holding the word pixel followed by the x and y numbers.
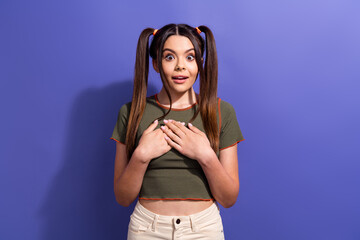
pixel 153 227
pixel 193 225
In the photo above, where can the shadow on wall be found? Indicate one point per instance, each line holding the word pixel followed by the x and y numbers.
pixel 81 203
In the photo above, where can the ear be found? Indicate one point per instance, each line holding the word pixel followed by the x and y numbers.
pixel 154 62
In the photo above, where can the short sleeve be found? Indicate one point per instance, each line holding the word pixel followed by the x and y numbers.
pixel 119 133
pixel 230 133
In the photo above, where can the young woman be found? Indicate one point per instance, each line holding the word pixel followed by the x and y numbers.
pixel 177 150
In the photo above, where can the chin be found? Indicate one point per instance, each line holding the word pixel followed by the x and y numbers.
pixel 180 90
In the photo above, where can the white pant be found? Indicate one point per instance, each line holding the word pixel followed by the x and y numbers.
pixel 147 225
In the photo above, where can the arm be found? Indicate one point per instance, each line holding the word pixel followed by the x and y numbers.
pixel 128 175
pixel 222 174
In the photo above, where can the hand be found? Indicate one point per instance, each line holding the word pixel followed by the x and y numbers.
pixel 190 142
pixel 152 143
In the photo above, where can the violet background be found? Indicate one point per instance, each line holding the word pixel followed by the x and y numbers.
pixel 289 68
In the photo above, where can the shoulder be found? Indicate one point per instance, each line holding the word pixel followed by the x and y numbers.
pixel 227 114
pixel 225 107
pixel 126 107
pixel 224 104
pixel 230 132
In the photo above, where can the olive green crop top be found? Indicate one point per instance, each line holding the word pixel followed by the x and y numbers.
pixel 173 176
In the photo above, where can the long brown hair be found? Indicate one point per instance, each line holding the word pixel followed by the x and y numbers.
pixel 208 78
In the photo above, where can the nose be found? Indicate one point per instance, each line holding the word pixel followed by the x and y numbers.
pixel 180 65
pixel 178 68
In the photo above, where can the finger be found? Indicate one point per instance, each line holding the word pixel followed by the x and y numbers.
pixel 172 143
pixel 194 129
pixel 162 140
pixel 171 134
pixel 181 126
pixel 151 127
pixel 172 125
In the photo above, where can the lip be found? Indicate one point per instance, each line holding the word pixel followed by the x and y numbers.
pixel 179 80
pixel 179 76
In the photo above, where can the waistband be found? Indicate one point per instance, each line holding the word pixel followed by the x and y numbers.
pixel 192 220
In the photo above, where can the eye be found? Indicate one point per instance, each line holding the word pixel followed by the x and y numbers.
pixel 190 57
pixel 169 57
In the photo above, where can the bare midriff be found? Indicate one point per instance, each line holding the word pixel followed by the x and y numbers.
pixel 175 207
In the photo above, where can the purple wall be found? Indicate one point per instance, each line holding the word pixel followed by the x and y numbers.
pixel 290 69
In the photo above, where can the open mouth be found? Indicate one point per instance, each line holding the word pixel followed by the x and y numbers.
pixel 179 79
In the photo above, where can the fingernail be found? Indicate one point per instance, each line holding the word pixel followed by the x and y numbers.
pixel 156 121
pixel 165 121
pixel 166 137
pixel 170 120
pixel 190 124
pixel 162 127
pixel 183 123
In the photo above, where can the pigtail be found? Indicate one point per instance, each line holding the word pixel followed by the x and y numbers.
pixel 140 89
pixel 164 81
pixel 208 90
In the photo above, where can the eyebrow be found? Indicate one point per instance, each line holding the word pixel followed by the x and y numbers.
pixel 168 49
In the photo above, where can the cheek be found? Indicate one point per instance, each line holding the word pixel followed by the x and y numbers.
pixel 167 68
pixel 193 69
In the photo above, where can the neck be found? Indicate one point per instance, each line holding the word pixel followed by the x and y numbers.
pixel 179 100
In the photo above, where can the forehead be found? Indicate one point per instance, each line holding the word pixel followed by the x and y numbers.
pixel 178 43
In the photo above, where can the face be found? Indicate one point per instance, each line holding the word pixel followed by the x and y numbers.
pixel 179 64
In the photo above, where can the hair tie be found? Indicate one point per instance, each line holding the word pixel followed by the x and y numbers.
pixel 155 30
pixel 198 30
